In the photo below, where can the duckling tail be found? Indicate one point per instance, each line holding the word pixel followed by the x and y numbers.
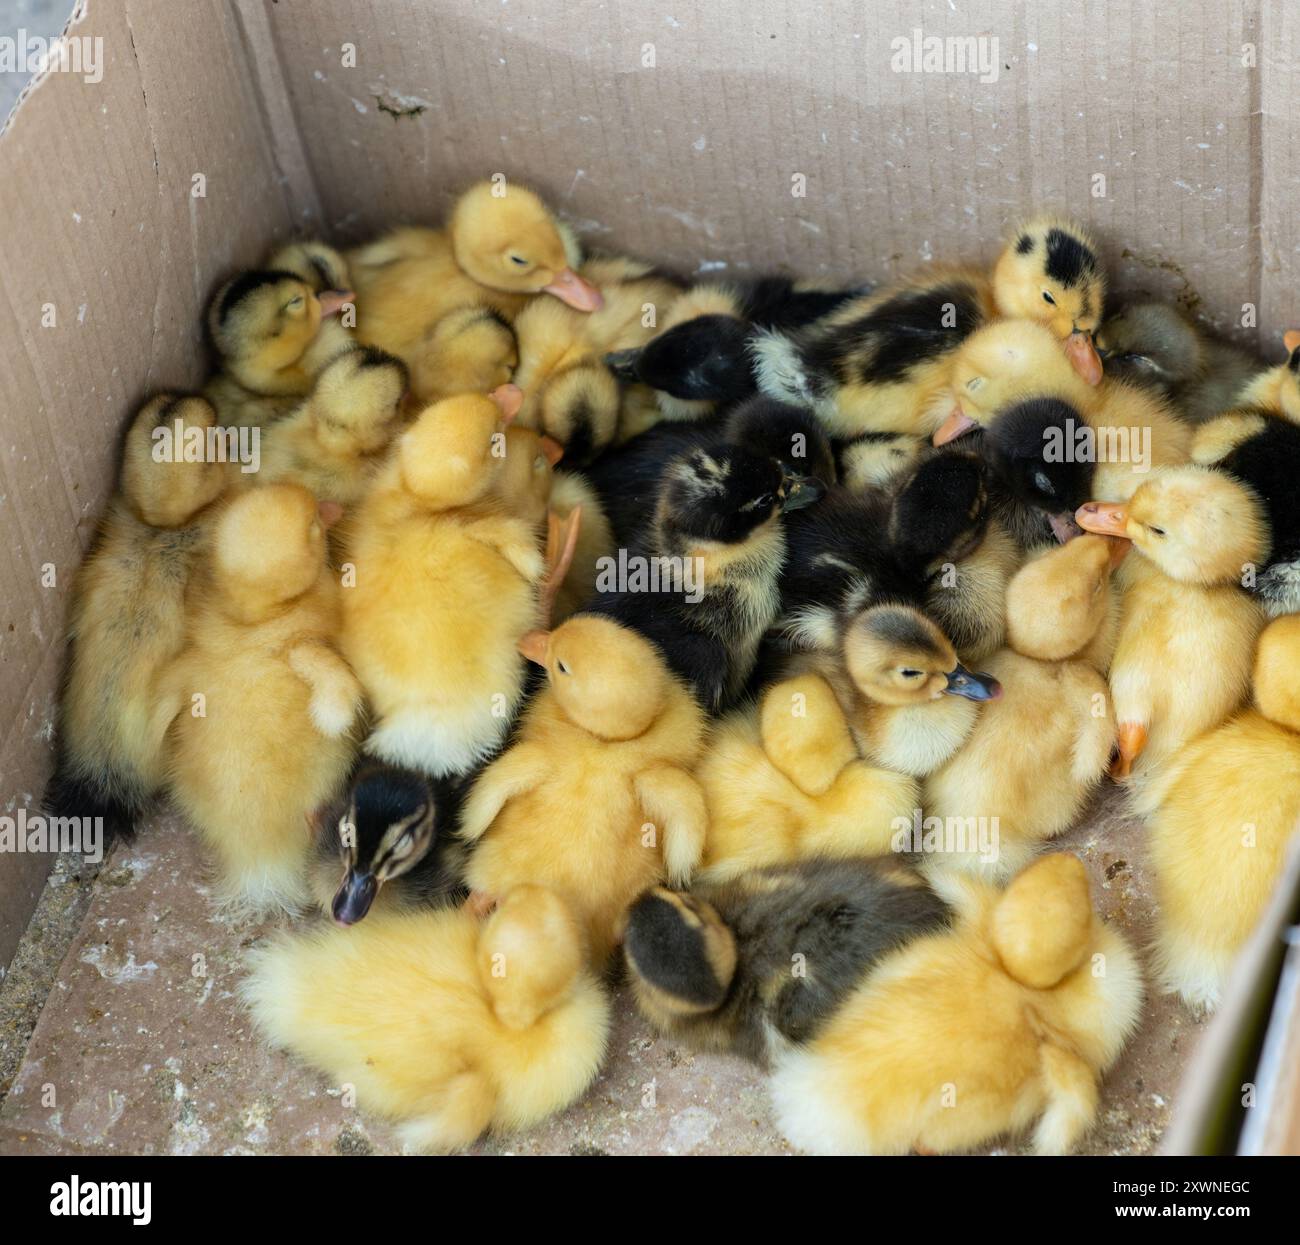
pixel 778 368
pixel 70 793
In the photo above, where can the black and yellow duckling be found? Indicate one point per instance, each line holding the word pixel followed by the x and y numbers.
pixel 1156 346
pixel 1259 444
pixel 321 266
pixel 273 333
pixel 701 358
pixel 880 362
pixel 391 832
pixel 718 541
pixel 761 962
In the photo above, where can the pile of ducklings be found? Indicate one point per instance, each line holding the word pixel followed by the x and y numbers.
pixel 749 640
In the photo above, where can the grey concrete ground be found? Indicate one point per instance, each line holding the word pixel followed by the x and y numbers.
pixel 143 1047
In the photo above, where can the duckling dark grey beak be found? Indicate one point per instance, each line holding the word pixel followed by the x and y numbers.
pixel 801 491
pixel 353 899
pixel 962 682
pixel 623 363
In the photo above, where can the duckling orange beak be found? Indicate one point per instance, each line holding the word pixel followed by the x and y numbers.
pixel 333 301
pixel 572 289
pixel 535 645
pixel 1106 518
pixel 971 686
pixel 1083 356
pixel 330 513
pixel 353 899
pixel 956 425
pixel 1291 340
pixel 553 450
pixel 509 398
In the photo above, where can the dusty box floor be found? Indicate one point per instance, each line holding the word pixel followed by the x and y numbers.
pixel 142 1046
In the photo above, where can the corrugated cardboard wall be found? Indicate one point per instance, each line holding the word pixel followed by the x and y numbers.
pixel 677 129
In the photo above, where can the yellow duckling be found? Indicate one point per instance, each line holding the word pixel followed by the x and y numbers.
pixel 614 735
pixel 1124 431
pixel 1004 1023
pixel 501 246
pixel 880 362
pixel 126 623
pixel 500 1023
pixel 1187 628
pixel 265 740
pixel 787 783
pixel 1222 817
pixel 448 578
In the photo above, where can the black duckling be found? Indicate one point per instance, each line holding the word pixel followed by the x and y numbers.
pixel 391 829
pixel 716 546
pixel 761 962
pixel 1156 346
pixel 702 357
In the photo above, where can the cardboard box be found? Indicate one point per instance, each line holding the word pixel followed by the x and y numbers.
pixel 719 136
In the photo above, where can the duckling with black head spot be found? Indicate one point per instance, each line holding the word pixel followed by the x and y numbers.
pixel 321 266
pixel 880 362
pixel 715 965
pixel 718 520
pixel 389 837
pixel 126 624
pixel 273 333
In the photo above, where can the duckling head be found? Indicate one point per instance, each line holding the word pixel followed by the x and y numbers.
pixel 940 510
pixel 1030 447
pixel 357 400
pixel 679 952
pixel 387 827
pixel 455 451
pixel 724 494
pixel 269 547
pixel 1002 363
pixel 171 491
pixel 705 359
pixel 1198 525
pixel 1049 272
pixel 263 322
pixel 1042 924
pixel 1277 691
pixel 531 951
pixel 1151 343
pixel 580 408
pixel 895 655
pixel 1056 602
pixel 529 471
pixel 321 266
pixel 607 679
pixel 1279 387
pixel 504 237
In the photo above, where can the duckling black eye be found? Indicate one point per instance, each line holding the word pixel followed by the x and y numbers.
pixel 1047 298
pixel 520 260
pixel 562 668
pixel 911 674
pixel 765 502
pixel 293 304
pixel 1156 531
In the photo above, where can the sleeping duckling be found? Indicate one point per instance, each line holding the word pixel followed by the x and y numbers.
pixel 1261 448
pixel 501 245
pixel 126 625
pixel 320 265
pixel 701 360
pixel 964 1035
pixel 1196 532
pixel 332 444
pixel 500 1022
pixel 1154 345
pixel 908 701
pixel 761 962
pixel 786 782
pixel 719 541
pixel 272 333
pixel 448 578
pixel 1032 761
pixel 1222 817
pixel 266 740
pixel 392 832
pixel 571 394
pixel 615 734
pixel 1121 430
pixel 1278 388
pixel 880 363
